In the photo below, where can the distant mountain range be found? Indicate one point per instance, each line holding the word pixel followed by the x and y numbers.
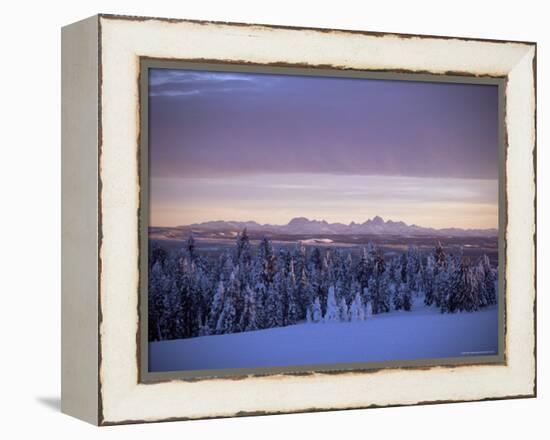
pixel 304 226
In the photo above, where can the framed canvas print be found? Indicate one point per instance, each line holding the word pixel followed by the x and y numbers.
pixel 337 219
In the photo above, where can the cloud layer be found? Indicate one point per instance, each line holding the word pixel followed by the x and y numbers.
pixel 337 137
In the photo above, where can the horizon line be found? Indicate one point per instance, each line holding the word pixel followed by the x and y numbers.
pixel 327 222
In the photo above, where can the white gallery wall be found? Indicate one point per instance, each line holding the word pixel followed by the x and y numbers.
pixel 30 220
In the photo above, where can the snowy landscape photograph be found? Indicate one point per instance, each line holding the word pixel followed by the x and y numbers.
pixel 300 220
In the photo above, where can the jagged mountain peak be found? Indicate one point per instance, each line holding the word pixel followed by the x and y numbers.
pixel 374 226
pixel 298 221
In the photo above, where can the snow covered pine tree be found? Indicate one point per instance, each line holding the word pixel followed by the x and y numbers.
pixel 252 287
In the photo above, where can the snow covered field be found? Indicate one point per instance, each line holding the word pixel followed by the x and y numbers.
pixel 398 335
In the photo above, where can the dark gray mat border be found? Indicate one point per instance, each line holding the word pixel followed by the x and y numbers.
pixel 146 376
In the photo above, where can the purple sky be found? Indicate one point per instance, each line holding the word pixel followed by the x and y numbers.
pixel 235 146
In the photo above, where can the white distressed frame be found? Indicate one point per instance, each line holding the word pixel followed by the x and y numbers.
pixel 122 40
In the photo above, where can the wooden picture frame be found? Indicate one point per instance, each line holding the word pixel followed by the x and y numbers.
pixel 104 215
